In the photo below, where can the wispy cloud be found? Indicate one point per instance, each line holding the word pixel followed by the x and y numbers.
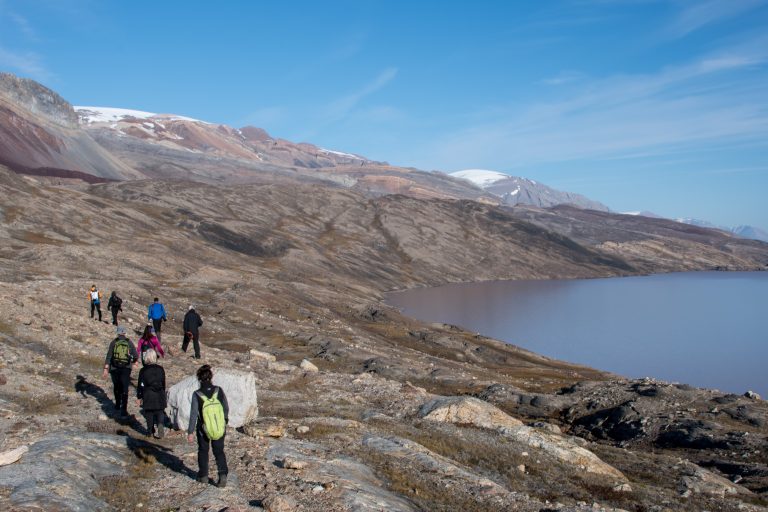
pixel 29 64
pixel 701 13
pixel 24 26
pixel 676 108
pixel 342 106
pixel 562 78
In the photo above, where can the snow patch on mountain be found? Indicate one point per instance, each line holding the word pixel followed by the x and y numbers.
pixel 339 153
pixel 93 115
pixel 480 177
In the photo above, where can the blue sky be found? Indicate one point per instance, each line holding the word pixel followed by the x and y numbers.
pixel 657 105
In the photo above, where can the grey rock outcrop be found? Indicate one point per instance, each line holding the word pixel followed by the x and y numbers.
pixel 62 470
pixel 240 388
pixel 463 410
pixel 38 99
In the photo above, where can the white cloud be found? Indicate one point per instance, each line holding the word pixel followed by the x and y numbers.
pixel 706 12
pixel 719 99
pixel 341 107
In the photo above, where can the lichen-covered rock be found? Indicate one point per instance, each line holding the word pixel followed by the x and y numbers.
pixel 239 387
pixel 462 410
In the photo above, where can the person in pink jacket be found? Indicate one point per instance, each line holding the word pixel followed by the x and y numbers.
pixel 149 340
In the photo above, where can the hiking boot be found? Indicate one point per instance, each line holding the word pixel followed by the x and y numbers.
pixel 222 480
pixel 202 479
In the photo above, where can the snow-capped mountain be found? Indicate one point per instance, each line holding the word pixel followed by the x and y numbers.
pixel 515 190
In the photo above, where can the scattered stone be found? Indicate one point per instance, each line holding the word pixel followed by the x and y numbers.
pixel 318 489
pixel 698 480
pixel 549 427
pixel 103 417
pixel 257 355
pixel 12 456
pixel 463 410
pixel 280 367
pixel 240 388
pixel 752 395
pixel 622 488
pixel 265 427
pixel 291 463
pixel 302 429
pixel 279 503
pixel 521 468
pixel 307 366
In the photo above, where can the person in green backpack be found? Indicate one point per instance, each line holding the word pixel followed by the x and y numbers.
pixel 208 418
pixel 120 356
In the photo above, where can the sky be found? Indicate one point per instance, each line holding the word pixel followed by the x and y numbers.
pixel 655 105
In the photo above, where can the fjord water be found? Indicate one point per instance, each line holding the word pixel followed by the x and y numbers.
pixel 707 329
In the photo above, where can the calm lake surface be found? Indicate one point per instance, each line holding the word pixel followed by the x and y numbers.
pixel 707 329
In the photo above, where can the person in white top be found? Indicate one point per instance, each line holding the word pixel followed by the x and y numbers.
pixel 95 296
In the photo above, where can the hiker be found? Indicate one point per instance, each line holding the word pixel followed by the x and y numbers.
pixel 150 394
pixel 114 305
pixel 208 418
pixel 120 355
pixel 192 323
pixel 95 297
pixel 149 341
pixel 156 314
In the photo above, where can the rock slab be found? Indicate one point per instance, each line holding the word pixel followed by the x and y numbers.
pixel 240 388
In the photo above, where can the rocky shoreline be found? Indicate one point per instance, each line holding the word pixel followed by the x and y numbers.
pixel 360 408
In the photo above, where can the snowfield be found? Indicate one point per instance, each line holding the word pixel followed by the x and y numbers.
pixel 480 177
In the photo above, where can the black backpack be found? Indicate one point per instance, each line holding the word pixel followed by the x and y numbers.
pixel 117 302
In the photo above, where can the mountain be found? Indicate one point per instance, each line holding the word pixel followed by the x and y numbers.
pixel 513 190
pixel 749 232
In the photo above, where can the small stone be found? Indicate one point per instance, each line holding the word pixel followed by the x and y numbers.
pixel 622 488
pixel 278 503
pixel 3 380
pixel 317 489
pixel 103 417
pixel 308 366
pixel 521 468
pixel 752 395
pixel 524 454
pixel 261 356
pixel 302 429
pixel 737 478
pixel 12 456
pixel 291 463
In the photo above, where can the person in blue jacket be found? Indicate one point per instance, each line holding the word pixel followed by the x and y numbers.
pixel 156 314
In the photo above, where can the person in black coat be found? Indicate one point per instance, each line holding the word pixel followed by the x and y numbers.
pixel 192 323
pixel 114 305
pixel 150 393
pixel 195 428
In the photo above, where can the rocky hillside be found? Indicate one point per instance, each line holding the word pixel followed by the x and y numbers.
pixel 360 408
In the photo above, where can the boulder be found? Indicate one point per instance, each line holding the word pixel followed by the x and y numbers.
pixel 278 503
pixel 463 410
pixel 257 355
pixel 12 456
pixel 238 386
pixel 308 366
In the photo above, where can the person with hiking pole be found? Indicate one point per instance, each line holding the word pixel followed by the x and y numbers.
pixel 121 354
pixel 208 418
pixel 156 314
pixel 114 305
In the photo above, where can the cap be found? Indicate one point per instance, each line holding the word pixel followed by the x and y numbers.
pixel 191 307
pixel 121 330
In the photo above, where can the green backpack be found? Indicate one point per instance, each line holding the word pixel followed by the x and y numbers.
pixel 121 353
pixel 214 423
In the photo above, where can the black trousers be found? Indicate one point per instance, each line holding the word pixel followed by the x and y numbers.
pixel 121 379
pixel 218 453
pixel 155 418
pixel 114 315
pixel 195 343
pixel 157 324
pixel 96 306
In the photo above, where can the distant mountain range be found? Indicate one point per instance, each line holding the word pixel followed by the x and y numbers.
pixel 749 232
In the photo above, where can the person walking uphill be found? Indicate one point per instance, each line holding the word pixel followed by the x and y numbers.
pixel 121 354
pixel 149 341
pixel 114 305
pixel 95 297
pixel 192 324
pixel 150 393
pixel 208 418
pixel 156 314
